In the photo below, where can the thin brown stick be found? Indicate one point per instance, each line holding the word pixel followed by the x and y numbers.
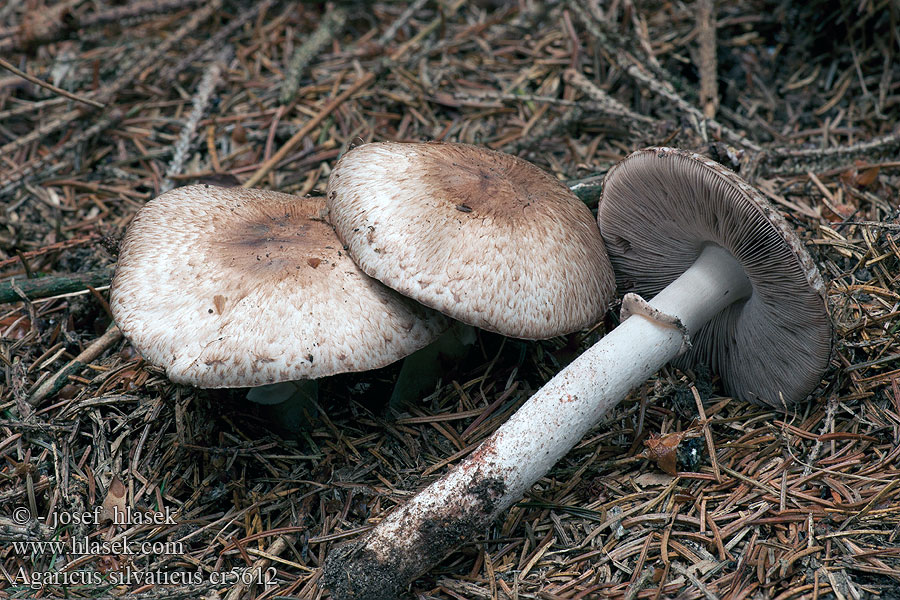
pixel 710 445
pixel 56 90
pixel 259 567
pixel 63 245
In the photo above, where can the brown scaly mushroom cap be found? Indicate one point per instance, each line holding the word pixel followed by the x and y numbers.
pixel 234 287
pixel 660 207
pixel 484 237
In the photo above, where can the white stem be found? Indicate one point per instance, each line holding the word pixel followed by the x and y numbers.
pixel 451 510
pixel 714 281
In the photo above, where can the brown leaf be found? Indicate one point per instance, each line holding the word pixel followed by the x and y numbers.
pixel 663 450
pixel 867 177
pixel 840 212
pixel 859 175
pixel 115 500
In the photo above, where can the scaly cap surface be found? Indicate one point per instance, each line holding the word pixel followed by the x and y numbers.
pixel 228 287
pixel 484 237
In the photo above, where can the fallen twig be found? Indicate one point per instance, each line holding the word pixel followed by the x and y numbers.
pixel 42 287
pixel 329 26
pixel 784 160
pixel 55 382
pixel 63 245
pixel 201 100
pixel 56 90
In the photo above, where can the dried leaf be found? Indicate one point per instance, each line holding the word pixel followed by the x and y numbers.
pixel 860 178
pixel 867 177
pixel 115 500
pixel 662 450
pixel 840 212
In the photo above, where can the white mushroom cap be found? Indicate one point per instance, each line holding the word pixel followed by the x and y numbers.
pixel 228 287
pixel 484 237
pixel 660 208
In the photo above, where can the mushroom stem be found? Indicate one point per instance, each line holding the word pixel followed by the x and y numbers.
pixel 421 370
pixel 713 282
pixel 288 404
pixel 463 502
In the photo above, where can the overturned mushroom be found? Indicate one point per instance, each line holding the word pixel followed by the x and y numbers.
pixel 228 287
pixel 726 271
pixel 668 214
pixel 484 237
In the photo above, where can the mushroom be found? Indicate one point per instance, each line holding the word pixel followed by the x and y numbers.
pixel 230 287
pixel 731 285
pixel 668 212
pixel 484 237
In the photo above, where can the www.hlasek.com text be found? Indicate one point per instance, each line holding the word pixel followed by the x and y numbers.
pixel 85 546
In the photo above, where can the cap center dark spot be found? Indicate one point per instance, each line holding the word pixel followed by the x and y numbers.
pixel 274 242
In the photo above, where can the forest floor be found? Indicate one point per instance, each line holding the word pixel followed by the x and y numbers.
pixel 801 99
